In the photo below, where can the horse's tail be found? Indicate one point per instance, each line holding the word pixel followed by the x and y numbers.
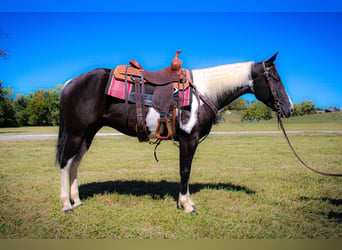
pixel 62 138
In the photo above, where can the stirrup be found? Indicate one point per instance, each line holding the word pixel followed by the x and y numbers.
pixel 168 127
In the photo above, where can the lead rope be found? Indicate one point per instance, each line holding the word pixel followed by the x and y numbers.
pixel 280 122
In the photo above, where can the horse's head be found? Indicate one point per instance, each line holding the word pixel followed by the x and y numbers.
pixel 269 89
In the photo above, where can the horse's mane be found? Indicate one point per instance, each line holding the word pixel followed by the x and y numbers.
pixel 213 81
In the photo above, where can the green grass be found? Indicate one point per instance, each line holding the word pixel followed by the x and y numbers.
pixel 245 187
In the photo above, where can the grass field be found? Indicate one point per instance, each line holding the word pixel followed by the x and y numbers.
pixel 326 121
pixel 244 186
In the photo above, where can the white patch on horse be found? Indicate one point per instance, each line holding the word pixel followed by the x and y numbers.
pixel 152 121
pixel 187 127
pixel 66 83
pixel 65 185
pixel 211 82
pixel 74 195
pixel 185 202
pixel 290 100
pixel 153 116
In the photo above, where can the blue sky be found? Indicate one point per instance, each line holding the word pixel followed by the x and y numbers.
pixel 49 44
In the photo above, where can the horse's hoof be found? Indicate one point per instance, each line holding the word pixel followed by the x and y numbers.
pixel 193 212
pixel 68 211
pixel 77 205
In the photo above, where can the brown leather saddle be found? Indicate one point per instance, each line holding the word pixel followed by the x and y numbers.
pixel 163 81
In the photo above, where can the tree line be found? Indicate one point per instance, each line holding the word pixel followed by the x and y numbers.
pixel 258 111
pixel 41 108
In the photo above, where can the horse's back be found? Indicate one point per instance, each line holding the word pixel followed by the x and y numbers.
pixel 83 98
pixel 91 80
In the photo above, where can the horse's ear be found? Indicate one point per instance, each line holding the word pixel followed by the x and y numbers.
pixel 270 61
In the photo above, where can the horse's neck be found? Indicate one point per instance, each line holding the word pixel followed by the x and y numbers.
pixel 224 83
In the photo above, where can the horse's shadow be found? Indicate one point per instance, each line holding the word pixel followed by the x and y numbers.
pixel 331 215
pixel 157 190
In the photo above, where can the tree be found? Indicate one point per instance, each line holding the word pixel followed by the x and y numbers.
pixel 43 107
pixel 3 52
pixel 238 104
pixel 20 107
pixel 7 112
pixel 308 107
pixel 55 97
pixel 304 108
pixel 257 111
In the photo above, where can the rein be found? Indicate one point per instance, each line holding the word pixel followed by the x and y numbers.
pixel 299 158
pixel 280 122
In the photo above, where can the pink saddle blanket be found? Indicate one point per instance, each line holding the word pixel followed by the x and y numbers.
pixel 116 89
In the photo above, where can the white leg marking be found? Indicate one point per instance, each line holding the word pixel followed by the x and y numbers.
pixel 186 203
pixel 74 187
pixel 65 185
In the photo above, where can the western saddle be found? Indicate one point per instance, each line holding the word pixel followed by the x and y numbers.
pixel 163 81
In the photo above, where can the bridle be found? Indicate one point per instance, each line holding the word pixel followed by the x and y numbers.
pixel 277 107
pixel 268 75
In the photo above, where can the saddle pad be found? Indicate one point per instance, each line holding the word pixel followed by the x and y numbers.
pixel 185 97
pixel 116 88
pixel 120 70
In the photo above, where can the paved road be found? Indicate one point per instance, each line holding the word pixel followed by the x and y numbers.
pixel 49 136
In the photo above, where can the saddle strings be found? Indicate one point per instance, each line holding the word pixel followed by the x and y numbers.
pixel 157 143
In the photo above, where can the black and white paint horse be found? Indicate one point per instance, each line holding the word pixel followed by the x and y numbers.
pixel 85 109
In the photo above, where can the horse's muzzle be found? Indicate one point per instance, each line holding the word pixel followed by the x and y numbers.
pixel 287 112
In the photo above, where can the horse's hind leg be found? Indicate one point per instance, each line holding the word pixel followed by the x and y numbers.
pixel 74 195
pixel 75 148
pixel 69 179
pixel 65 184
pixel 69 172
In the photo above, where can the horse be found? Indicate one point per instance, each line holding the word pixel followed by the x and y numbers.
pixel 85 108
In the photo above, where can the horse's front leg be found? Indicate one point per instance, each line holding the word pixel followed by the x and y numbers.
pixel 187 149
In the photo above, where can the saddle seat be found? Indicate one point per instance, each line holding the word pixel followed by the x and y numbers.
pixel 160 77
pixel 163 76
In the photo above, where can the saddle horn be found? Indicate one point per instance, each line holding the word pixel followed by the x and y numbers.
pixel 176 63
